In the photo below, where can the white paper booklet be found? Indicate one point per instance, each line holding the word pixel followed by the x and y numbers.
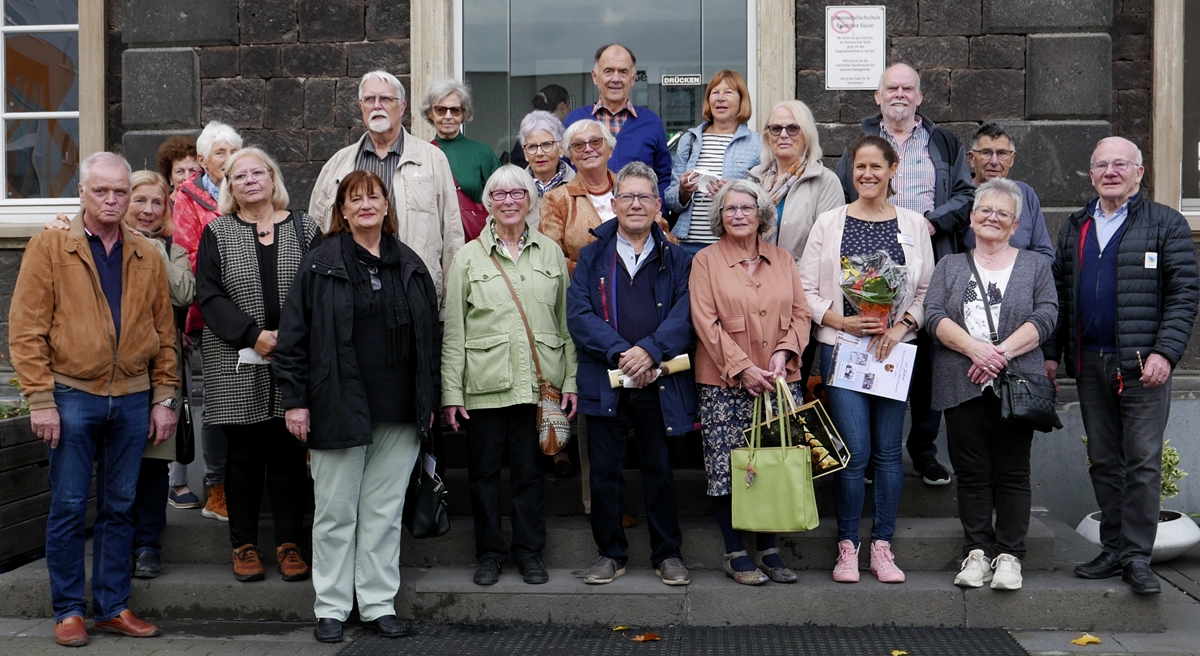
pixel 855 367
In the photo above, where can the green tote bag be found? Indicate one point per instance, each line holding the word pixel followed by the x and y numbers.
pixel 772 487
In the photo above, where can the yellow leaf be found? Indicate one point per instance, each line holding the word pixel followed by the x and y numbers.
pixel 646 637
pixel 1086 639
pixel 897 652
pixel 621 628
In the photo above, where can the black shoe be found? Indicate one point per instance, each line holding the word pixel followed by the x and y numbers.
pixel 389 626
pixel 487 572
pixel 1141 578
pixel 931 471
pixel 1104 566
pixel 533 571
pixel 328 630
pixel 147 565
pixel 563 469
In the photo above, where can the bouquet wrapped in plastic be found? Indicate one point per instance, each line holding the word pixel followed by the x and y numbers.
pixel 875 284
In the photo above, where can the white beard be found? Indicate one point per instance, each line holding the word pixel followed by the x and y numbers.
pixel 380 124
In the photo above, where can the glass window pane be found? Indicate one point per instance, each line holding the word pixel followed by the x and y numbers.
pixel 1191 104
pixel 42 159
pixel 485 67
pixel 41 73
pixel 41 12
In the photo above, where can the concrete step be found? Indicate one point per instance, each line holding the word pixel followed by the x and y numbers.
pixel 1049 600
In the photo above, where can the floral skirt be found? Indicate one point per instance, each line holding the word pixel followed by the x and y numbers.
pixel 724 414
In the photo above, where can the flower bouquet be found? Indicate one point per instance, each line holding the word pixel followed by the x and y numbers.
pixel 874 284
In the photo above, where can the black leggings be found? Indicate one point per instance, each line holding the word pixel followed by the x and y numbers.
pixel 265 450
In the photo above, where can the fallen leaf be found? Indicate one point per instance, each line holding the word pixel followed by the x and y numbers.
pixel 646 637
pixel 1086 639
pixel 897 652
pixel 621 628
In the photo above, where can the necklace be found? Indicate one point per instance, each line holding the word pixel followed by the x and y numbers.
pixel 264 233
pixel 598 193
pixel 989 260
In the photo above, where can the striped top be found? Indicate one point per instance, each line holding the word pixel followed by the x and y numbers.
pixel 384 167
pixel 712 162
pixel 915 177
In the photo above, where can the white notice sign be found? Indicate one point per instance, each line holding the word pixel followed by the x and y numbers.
pixel 855 47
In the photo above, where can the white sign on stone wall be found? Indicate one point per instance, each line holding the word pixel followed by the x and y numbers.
pixel 855 46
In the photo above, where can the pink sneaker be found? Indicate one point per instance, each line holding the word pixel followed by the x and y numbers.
pixel 883 563
pixel 846 568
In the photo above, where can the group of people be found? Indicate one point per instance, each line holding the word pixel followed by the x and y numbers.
pixel 428 283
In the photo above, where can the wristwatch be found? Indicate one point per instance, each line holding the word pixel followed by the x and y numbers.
pixel 170 404
pixel 909 322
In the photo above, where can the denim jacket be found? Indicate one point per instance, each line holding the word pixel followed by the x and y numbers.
pixel 741 156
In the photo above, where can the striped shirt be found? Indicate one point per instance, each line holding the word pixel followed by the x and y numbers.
pixel 384 167
pixel 711 161
pixel 916 177
pixel 614 122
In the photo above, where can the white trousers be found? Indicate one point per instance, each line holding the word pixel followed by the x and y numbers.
pixel 356 526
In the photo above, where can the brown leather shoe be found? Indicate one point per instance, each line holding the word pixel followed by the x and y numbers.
pixel 71 632
pixel 247 566
pixel 291 564
pixel 215 508
pixel 628 521
pixel 127 624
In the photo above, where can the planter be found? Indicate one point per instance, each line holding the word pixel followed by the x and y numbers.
pixel 1177 534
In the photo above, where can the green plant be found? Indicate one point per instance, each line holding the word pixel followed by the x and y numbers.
pixel 1171 471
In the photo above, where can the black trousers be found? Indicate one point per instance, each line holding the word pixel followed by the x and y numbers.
pixel 991 465
pixel 258 453
pixel 491 432
pixel 640 410
pixel 150 506
pixel 926 422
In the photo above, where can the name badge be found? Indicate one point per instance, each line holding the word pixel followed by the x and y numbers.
pixel 904 239
pixel 1151 260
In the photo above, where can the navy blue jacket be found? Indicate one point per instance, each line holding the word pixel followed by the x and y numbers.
pixel 599 347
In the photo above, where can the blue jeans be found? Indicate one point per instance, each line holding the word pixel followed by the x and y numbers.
pixel 110 431
pixel 872 427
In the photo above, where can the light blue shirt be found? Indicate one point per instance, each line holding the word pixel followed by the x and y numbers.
pixel 633 262
pixel 1107 226
pixel 213 189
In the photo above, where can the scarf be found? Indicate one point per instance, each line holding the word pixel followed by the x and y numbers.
pixel 211 187
pixel 777 185
pixel 366 271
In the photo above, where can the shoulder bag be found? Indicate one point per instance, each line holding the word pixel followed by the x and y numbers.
pixel 474 215
pixel 426 514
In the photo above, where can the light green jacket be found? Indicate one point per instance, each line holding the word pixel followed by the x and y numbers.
pixel 485 351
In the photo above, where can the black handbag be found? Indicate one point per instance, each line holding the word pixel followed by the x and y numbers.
pixel 1026 400
pixel 426 514
pixel 185 430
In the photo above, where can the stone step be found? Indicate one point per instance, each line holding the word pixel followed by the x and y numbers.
pixel 1049 600
pixel 921 543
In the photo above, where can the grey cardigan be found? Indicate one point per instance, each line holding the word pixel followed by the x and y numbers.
pixel 1029 298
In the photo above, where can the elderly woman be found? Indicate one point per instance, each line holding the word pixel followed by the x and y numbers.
pixel 744 342
pixel 447 106
pixel 362 315
pixel 486 374
pixel 248 259
pixel 541 141
pixel 870 425
pixel 722 147
pixel 990 456
pixel 553 99
pixel 177 161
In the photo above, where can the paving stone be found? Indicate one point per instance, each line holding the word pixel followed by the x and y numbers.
pixel 260 61
pixel 387 19
pixel 177 22
pixel 1069 76
pixel 923 52
pixel 268 21
pixel 140 147
pixel 987 94
pixel 390 56
pixel 220 61
pixel 997 51
pixel 284 103
pixel 949 17
pixel 237 102
pixel 314 60
pixel 1028 16
pixel 1053 157
pixel 160 87
pixel 318 102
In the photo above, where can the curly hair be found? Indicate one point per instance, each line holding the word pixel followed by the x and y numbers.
pixel 175 148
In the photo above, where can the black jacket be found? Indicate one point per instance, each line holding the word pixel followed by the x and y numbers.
pixel 315 362
pixel 1156 306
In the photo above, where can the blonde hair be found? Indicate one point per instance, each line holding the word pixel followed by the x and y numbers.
pixel 808 128
pixel 143 178
pixel 227 204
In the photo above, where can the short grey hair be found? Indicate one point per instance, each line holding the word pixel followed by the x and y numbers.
pixel 1123 139
pixel 1001 187
pixel 993 130
pixel 382 76
pixel 509 176
pixel 103 158
pixel 766 209
pixel 442 88
pixel 636 169
pixel 214 133
pixel 540 120
pixel 575 128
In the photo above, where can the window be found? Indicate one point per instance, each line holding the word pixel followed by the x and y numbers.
pixel 1191 107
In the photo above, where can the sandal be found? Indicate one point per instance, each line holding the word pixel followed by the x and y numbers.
pixel 776 574
pixel 753 577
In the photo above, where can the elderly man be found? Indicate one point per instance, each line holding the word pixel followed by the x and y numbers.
pixel 92 339
pixel 418 176
pixel 640 134
pixel 1127 293
pixel 993 151
pixel 932 180
pixel 634 322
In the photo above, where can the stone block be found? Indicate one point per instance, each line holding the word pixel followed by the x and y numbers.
pixel 949 17
pixel 810 53
pixel 283 145
pixel 997 51
pixel 1134 113
pixel 140 147
pixel 935 87
pixel 313 60
pixel 268 21
pixel 963 131
pixel 391 56
pixel 300 177
pixel 260 61
pixel 835 137
pixel 1132 75
pixel 1129 23
pixel 901 16
pixel 1137 6
pixel 387 19
pixel 329 21
pixel 284 103
pixel 160 87
pixel 987 94
pixel 857 105
pixel 238 102
pixel 319 97
pixel 1131 47
pixel 324 142
pixel 810 88
pixel 1053 157
pixel 1068 76
pixel 221 61
pixel 923 53
pixel 1028 16
pixel 346 110
pixel 179 22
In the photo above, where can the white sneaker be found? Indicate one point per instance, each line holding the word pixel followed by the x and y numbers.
pixel 976 570
pixel 1007 574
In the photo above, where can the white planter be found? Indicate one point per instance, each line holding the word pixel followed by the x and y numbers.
pixel 1177 534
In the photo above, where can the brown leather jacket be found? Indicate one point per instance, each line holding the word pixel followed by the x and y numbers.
pixel 61 330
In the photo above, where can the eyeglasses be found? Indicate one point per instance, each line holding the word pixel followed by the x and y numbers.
pixel 988 212
pixel 988 154
pixel 498 195
pixel 257 174
pixel 627 199
pixel 1118 165
pixel 544 147
pixel 594 142
pixel 369 101
pixel 439 110
pixel 776 129
pixel 734 210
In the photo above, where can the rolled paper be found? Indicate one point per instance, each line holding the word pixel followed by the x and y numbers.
pixel 616 377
